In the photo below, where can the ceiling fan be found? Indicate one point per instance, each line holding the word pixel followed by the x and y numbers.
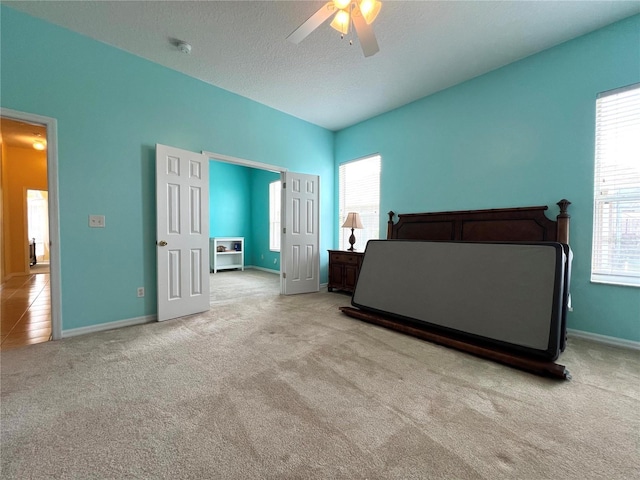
pixel 360 13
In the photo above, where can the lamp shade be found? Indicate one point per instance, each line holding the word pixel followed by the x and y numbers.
pixel 352 221
pixel 341 22
pixel 370 10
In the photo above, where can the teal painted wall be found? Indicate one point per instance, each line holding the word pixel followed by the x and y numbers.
pixel 262 256
pixel 112 108
pixel 520 135
pixel 230 203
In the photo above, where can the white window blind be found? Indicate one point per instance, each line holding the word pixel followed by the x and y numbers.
pixel 359 191
pixel 616 220
pixel 275 193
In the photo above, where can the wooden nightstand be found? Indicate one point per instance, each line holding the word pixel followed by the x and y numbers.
pixel 344 268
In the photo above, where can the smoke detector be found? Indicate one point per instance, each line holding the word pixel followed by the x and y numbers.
pixel 184 47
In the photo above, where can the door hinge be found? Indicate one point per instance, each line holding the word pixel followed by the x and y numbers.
pixel 284 230
pixel 284 184
pixel 284 274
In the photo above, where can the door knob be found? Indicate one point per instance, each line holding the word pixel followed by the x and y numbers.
pixel 162 243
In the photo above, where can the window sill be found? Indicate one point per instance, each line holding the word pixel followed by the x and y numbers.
pixel 616 280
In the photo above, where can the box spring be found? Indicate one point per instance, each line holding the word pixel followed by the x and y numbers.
pixel 507 296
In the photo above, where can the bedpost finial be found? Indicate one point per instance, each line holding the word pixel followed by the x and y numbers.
pixel 390 225
pixel 563 204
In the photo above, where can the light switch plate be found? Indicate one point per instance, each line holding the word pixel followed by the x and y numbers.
pixel 96 221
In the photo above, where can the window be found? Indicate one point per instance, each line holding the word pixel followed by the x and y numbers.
pixel 359 191
pixel 616 212
pixel 275 192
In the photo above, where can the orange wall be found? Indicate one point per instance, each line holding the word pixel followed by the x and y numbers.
pixel 24 168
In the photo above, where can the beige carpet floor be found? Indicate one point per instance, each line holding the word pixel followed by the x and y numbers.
pixel 232 285
pixel 273 387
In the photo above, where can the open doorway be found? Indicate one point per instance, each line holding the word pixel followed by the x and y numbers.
pixel 26 300
pixel 38 231
pixel 298 252
pixel 239 209
pixel 29 269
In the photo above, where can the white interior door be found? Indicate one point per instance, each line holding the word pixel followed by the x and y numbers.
pixel 300 238
pixel 182 242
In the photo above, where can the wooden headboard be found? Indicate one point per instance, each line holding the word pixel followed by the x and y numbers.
pixel 528 224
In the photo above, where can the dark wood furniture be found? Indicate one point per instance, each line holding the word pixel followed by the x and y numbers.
pixel 527 224
pixel 344 268
pixel 32 252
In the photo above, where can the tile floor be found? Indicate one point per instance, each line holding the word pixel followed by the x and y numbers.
pixel 25 316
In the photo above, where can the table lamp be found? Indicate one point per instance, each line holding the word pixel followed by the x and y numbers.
pixel 352 222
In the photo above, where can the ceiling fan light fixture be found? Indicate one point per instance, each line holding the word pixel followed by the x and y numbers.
pixel 370 10
pixel 341 4
pixel 341 22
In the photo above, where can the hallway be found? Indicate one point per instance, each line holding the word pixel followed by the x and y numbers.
pixel 25 317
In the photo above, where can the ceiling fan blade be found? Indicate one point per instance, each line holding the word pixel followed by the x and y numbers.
pixel 312 23
pixel 365 33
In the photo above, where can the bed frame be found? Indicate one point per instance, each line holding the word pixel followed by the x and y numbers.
pixel 525 224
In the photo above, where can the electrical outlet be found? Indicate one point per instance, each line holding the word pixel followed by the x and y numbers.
pixel 96 221
pixel 140 291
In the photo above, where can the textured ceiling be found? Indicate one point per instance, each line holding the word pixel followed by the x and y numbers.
pixel 21 134
pixel 241 46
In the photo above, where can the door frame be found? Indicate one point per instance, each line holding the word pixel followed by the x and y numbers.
pixel 244 162
pixel 51 124
pixel 219 157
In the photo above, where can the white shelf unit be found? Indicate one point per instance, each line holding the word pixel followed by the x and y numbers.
pixel 232 257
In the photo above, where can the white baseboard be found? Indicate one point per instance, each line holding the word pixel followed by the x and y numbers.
pixel 616 342
pixel 128 322
pixel 263 269
pixel 277 272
